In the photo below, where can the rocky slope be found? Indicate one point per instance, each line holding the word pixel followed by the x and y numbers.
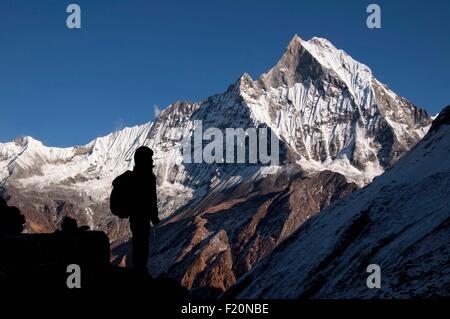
pixel 400 222
pixel 338 128
pixel 211 244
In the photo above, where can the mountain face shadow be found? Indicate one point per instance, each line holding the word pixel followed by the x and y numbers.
pixel 38 265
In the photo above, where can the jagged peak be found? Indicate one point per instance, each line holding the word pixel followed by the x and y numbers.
pixel 296 64
pixel 183 106
pixel 27 141
pixel 322 51
pixel 293 48
pixel 313 59
pixel 245 76
pixel 295 41
pixel 244 79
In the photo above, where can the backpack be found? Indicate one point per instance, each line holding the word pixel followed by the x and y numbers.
pixel 121 200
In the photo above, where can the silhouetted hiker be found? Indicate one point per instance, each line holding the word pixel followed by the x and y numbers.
pixel 134 196
pixel 11 219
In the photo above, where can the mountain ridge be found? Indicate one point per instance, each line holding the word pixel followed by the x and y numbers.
pixel 275 106
pixel 399 222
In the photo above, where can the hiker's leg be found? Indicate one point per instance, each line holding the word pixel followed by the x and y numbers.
pixel 140 230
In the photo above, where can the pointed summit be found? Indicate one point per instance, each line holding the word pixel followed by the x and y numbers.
pixel 27 141
pixel 294 46
pixel 295 41
pixel 243 82
pixel 245 79
pixel 295 65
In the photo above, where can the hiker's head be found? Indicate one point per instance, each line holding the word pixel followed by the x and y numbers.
pixel 143 157
pixel 69 224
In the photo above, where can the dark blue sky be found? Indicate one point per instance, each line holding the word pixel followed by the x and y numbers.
pixel 67 87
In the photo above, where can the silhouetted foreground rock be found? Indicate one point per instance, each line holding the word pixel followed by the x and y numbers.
pixel 37 266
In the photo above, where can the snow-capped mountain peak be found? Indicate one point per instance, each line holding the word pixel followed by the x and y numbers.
pixel 332 112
